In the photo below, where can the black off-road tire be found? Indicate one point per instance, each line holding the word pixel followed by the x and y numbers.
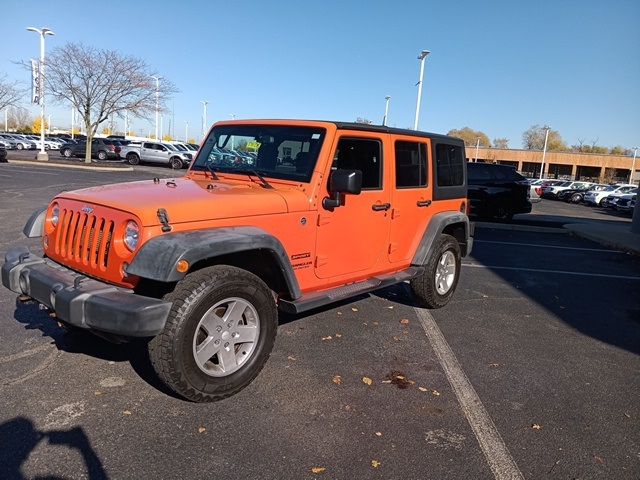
pixel 133 159
pixel 171 352
pixel 424 286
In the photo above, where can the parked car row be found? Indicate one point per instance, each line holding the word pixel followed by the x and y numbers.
pixel 15 141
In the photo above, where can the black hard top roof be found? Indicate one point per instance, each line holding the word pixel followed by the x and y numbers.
pixel 397 131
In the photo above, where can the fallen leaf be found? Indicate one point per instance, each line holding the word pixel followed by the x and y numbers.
pixel 404 321
pixel 293 359
pixel 367 380
pixel 376 323
pixel 627 415
pixel 126 412
pixel 201 429
pixel 324 339
pixel 494 365
pixel 354 309
pixel 386 381
pixel 598 459
pixel 399 379
pixel 97 392
pixel 390 307
pixel 535 426
pixel 411 382
pixel 378 434
pixel 318 470
pixel 397 339
pixel 337 379
pixel 338 335
pixel 435 393
pixel 339 313
pixel 375 463
pixel 422 389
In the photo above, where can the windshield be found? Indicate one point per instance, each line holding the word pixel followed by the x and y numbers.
pixel 180 147
pixel 170 147
pixel 276 151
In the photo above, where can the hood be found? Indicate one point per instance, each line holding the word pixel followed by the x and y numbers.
pixel 189 200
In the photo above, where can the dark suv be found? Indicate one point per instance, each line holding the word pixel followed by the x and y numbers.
pixel 497 191
pixel 101 148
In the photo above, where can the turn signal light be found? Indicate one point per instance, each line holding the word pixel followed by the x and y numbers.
pixel 182 266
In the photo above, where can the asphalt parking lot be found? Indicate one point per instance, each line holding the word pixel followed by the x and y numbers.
pixel 532 371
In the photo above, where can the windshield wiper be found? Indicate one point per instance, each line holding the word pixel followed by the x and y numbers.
pixel 255 173
pixel 209 167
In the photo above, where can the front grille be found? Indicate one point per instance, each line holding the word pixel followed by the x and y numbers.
pixel 84 238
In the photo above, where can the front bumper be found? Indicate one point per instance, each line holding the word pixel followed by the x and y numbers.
pixel 82 301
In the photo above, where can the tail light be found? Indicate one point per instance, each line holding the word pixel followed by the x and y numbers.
pixel 111 148
pixel 539 191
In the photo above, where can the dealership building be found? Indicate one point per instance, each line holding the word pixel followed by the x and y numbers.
pixel 564 165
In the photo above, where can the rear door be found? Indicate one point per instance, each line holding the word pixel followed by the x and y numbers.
pixel 411 196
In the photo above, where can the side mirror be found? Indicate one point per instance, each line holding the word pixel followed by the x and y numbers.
pixel 342 182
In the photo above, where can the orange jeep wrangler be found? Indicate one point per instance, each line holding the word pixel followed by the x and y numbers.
pixel 272 214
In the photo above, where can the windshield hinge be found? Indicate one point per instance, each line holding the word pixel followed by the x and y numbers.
pixel 163 216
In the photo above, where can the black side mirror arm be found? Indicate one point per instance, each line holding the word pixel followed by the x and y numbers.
pixel 334 201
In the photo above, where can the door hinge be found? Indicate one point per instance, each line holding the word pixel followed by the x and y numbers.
pixel 393 247
pixel 321 260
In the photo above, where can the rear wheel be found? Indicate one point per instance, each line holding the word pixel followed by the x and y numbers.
pixel 436 285
pixel 575 198
pixel 502 213
pixel 66 152
pixel 176 163
pixel 219 334
pixel 102 155
pixel 133 159
pixel 19 146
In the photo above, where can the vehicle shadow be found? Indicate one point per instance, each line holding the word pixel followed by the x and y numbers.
pixel 77 341
pixel 19 437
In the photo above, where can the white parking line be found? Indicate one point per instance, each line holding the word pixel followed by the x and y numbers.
pixel 495 451
pixel 542 270
pixel 33 170
pixel 548 246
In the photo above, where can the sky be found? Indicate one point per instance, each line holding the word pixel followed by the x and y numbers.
pixel 495 66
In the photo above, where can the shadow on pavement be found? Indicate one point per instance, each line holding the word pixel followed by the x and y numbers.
pixel 78 341
pixel 19 437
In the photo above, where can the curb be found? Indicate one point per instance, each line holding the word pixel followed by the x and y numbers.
pixel 607 242
pixel 76 167
pixel 521 228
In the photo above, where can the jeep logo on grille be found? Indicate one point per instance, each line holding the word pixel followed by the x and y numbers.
pixel 87 209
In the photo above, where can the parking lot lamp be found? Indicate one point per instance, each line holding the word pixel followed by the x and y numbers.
pixel 633 162
pixel 157 101
pixel 43 32
pixel 386 109
pixel 477 145
pixel 204 115
pixel 544 150
pixel 186 132
pixel 6 119
pixel 421 57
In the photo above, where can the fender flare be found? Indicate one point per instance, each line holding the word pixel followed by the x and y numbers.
pixel 35 225
pixel 157 259
pixel 435 227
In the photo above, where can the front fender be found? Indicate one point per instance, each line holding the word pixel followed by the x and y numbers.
pixel 157 259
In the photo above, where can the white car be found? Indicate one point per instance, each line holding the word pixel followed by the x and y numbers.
pixel 597 197
pixel 553 190
pixel 22 142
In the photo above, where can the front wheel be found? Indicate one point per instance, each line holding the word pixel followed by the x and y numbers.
pixel 575 198
pixel 66 153
pixel 20 146
pixel 133 159
pixel 436 285
pixel 176 163
pixel 219 334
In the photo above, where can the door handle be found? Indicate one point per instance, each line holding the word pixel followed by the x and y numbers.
pixel 380 207
pixel 423 203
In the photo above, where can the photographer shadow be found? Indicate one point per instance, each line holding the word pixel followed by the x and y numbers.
pixel 19 437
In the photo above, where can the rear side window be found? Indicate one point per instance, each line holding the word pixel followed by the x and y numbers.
pixel 411 164
pixel 507 173
pixel 450 165
pixel 478 173
pixel 364 155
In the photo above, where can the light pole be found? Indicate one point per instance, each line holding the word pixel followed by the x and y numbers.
pixel 477 145
pixel 421 57
pixel 386 109
pixel 126 123
pixel 233 138
pixel 633 163
pixel 161 134
pixel 73 120
pixel 204 115
pixel 6 119
pixel 49 124
pixel 186 132
pixel 544 150
pixel 43 32
pixel 157 101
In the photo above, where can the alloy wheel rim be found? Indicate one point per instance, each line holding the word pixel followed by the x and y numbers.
pixel 445 272
pixel 226 337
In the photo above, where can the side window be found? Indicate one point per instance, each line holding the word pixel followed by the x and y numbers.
pixel 364 155
pixel 449 165
pixel 411 164
pixel 148 145
pixel 478 173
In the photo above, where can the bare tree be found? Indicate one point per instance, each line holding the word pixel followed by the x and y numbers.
pixel 102 83
pixel 10 93
pixel 533 139
pixel 19 119
pixel 501 143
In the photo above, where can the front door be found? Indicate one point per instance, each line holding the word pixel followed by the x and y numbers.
pixel 411 198
pixel 352 238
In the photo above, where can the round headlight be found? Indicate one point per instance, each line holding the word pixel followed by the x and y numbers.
pixel 55 215
pixel 131 235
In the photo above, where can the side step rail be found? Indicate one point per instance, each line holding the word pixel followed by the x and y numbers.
pixel 318 299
